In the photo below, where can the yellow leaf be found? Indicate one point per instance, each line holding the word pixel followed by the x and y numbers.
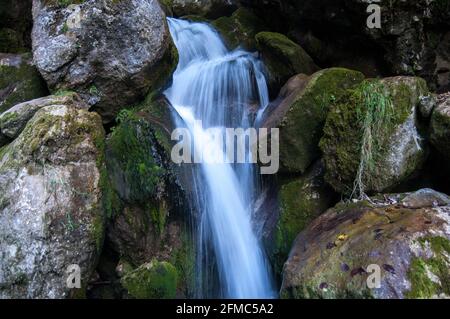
pixel 342 237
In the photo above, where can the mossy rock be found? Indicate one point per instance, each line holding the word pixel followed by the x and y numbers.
pixel 440 125
pixel 408 247
pixel 239 29
pixel 396 146
pixel 301 201
pixel 20 81
pixel 283 58
pixel 154 280
pixel 301 115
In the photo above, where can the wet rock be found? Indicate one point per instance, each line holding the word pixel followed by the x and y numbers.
pixel 239 29
pixel 367 149
pixel 149 209
pixel 14 120
pixel 110 52
pixel 440 125
pixel 51 209
pixel 154 280
pixel 19 80
pixel 301 111
pixel 301 201
pixel 283 58
pixel 411 254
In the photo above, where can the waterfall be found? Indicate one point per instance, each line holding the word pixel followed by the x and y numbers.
pixel 220 88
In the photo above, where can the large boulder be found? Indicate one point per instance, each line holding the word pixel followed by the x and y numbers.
pixel 20 81
pixel 404 238
pixel 301 200
pixel 51 212
pixel 300 113
pixel 371 141
pixel 110 52
pixel 15 26
pixel 211 9
pixel 283 58
pixel 440 125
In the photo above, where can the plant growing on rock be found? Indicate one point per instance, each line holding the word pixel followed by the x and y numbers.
pixel 374 110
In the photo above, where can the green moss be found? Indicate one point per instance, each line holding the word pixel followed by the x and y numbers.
pixel 239 29
pixel 283 57
pixel 358 130
pixel 184 261
pixel 422 286
pixel 130 145
pixel 154 280
pixel 98 231
pixel 23 83
pixel 302 125
pixel 440 130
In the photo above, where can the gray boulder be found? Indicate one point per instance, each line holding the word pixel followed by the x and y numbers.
pixel 51 212
pixel 110 52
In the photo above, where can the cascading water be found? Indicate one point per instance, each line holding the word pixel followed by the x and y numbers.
pixel 218 87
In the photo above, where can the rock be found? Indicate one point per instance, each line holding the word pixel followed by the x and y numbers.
pixel 301 200
pixel 14 120
pixel 335 255
pixel 51 212
pixel 211 9
pixel 239 29
pixel 368 148
pixel 283 58
pixel 154 280
pixel 412 40
pixel 440 125
pixel 19 80
pixel 110 52
pixel 15 26
pixel 300 115
pixel 149 208
pixel 427 104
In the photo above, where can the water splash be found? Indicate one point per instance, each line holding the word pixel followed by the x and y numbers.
pixel 219 88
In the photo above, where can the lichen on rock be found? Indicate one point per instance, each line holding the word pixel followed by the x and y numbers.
pixel 51 204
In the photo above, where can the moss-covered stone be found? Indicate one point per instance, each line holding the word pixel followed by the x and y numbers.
pixel 333 256
pixel 155 280
pixel 301 201
pixel 239 29
pixel 440 126
pixel 19 81
pixel 283 58
pixel 302 114
pixel 395 146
